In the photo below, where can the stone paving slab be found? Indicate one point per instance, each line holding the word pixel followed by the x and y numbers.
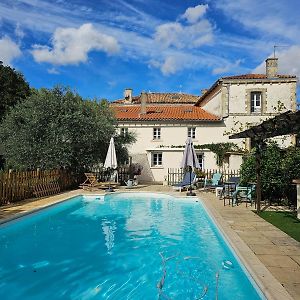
pixel 277 251
pixel 262 247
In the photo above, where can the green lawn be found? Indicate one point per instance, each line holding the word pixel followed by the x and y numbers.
pixel 285 221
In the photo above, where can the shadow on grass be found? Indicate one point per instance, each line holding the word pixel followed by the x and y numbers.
pixel 285 221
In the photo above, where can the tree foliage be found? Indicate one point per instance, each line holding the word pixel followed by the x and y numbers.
pixel 13 88
pixel 57 128
pixel 278 168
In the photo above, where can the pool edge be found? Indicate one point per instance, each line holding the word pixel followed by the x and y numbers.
pixel 266 282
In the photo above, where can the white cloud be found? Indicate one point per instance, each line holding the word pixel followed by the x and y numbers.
pixel 19 32
pixel 288 62
pixel 180 36
pixel 193 14
pixel 227 67
pixel 271 19
pixel 9 50
pixel 72 45
pixel 53 71
pixel 169 35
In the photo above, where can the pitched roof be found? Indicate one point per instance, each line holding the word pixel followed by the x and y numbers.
pixel 257 76
pixel 163 113
pixel 242 77
pixel 162 98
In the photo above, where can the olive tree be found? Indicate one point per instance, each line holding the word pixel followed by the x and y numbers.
pixel 55 128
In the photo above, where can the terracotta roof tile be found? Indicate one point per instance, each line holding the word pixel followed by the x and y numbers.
pixel 158 112
pixel 162 98
pixel 256 76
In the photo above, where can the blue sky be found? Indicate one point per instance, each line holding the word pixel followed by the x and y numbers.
pixel 100 47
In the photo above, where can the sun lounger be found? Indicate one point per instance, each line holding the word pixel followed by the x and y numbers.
pixel 91 182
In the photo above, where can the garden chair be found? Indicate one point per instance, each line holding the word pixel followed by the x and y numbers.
pixel 246 193
pixel 213 182
pixel 229 188
pixel 188 178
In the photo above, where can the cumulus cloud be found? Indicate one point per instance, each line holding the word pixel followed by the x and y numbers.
pixel 193 14
pixel 226 67
pixel 178 35
pixel 175 62
pixel 288 62
pixel 9 50
pixel 72 45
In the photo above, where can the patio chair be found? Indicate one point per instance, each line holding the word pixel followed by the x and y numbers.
pixel 213 182
pixel 246 193
pixel 229 188
pixel 185 183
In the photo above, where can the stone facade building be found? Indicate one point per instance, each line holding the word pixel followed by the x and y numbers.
pixel 163 121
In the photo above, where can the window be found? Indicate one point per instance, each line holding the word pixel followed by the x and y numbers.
pixel 156 159
pixel 200 157
pixel 156 133
pixel 256 102
pixel 124 131
pixel 192 132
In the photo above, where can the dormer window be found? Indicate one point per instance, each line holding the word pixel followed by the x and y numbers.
pixel 256 102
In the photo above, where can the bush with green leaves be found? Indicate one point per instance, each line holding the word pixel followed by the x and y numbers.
pixel 278 168
pixel 57 128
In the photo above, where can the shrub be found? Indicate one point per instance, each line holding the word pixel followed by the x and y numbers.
pixel 278 168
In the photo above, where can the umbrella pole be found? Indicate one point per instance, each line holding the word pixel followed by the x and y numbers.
pixel 190 193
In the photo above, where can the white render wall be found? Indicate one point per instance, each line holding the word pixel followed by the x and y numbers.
pixel 176 135
pixel 230 101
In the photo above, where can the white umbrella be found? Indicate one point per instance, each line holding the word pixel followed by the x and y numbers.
pixel 190 160
pixel 111 157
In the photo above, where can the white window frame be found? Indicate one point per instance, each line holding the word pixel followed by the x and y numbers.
pixel 255 102
pixel 156 133
pixel 156 159
pixel 191 132
pixel 201 161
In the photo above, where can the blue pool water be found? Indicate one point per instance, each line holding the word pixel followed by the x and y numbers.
pixel 121 246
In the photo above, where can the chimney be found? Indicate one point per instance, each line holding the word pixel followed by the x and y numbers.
pixel 143 103
pixel 203 91
pixel 272 67
pixel 128 95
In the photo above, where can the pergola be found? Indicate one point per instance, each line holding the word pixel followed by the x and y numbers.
pixel 283 124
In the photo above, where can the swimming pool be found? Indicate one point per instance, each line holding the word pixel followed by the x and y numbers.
pixel 121 246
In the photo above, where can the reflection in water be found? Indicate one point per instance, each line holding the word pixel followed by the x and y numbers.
pixel 109 228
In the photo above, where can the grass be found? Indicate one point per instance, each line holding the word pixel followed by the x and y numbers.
pixel 285 221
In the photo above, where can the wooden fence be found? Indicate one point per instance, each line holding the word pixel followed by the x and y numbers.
pixel 20 185
pixel 175 175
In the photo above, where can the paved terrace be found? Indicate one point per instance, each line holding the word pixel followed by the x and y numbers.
pixel 266 251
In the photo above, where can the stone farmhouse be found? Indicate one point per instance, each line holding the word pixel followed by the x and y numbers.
pixel 163 121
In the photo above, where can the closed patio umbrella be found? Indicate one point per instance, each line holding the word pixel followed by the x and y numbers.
pixel 190 160
pixel 111 157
